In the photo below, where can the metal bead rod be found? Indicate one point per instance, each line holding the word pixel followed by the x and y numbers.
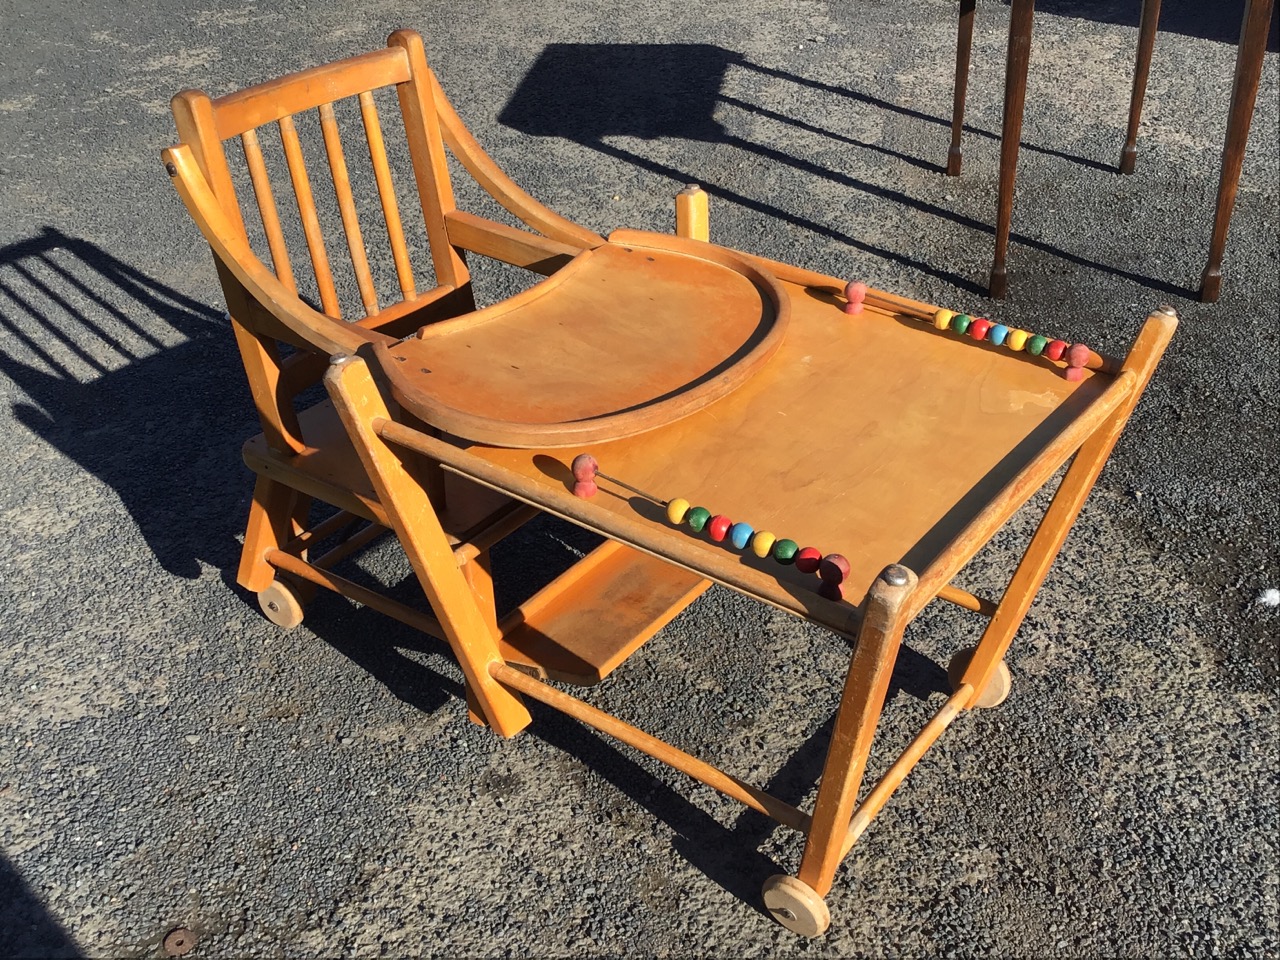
pixel 636 490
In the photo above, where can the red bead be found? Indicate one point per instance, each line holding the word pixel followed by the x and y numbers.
pixel 719 527
pixel 832 591
pixel 1055 349
pixel 833 568
pixel 584 467
pixel 586 489
pixel 807 559
pixel 978 329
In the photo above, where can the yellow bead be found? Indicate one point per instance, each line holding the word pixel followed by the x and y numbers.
pixel 942 319
pixel 676 509
pixel 1018 339
pixel 762 543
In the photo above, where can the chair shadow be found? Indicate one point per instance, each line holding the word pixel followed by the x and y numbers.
pixel 105 356
pixel 27 929
pixel 588 93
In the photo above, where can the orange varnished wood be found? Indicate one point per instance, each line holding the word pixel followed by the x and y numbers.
pixel 602 349
pixel 704 772
pixel 307 213
pixel 874 437
pixel 387 194
pixel 865 687
pixel 268 102
pixel 582 626
pixel 426 149
pixel 347 209
pixel 501 242
pixel 193 115
pixel 500 186
pixel 267 208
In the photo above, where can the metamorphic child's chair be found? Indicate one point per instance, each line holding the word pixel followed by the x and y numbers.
pixel 645 376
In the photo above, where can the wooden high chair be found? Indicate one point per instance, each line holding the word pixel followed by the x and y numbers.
pixel 649 375
pixel 304 454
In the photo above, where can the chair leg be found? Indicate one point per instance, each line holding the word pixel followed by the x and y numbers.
pixel 964 46
pixel 865 687
pixel 471 633
pixel 1015 95
pixel 479 575
pixel 272 518
pixel 1244 92
pixel 1052 532
pixel 1146 44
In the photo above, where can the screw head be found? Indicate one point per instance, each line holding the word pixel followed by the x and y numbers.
pixel 895 575
pixel 1167 310
pixel 339 358
pixel 171 169
pixel 786 913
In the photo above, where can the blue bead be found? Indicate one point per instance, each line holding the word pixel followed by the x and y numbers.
pixel 997 334
pixel 740 534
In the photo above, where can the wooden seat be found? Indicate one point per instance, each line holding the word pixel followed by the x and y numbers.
pixel 1253 44
pixel 303 454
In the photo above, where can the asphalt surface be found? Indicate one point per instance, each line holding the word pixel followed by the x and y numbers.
pixel 171 759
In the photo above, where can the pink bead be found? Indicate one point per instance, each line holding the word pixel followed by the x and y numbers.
pixel 718 527
pixel 833 568
pixel 584 467
pixel 1077 357
pixel 586 489
pixel 808 559
pixel 854 293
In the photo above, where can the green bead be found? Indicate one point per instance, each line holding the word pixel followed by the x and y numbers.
pixel 784 551
pixel 697 518
pixel 960 323
pixel 1036 345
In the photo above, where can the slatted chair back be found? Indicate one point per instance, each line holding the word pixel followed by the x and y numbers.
pixel 264 304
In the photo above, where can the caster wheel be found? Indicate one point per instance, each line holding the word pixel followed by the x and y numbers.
pixel 998 686
pixel 281 604
pixel 796 905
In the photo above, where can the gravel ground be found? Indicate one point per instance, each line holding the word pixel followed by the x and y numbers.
pixel 170 758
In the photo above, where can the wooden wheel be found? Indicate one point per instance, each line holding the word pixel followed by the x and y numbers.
pixel 796 905
pixel 281 604
pixel 998 686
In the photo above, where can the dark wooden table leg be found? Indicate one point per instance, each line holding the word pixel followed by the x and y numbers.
pixel 1015 95
pixel 964 45
pixel 1244 93
pixel 1146 44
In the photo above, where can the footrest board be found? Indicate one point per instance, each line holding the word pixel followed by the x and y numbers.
pixel 585 623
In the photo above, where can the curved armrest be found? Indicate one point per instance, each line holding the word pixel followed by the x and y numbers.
pixel 323 332
pixel 501 187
